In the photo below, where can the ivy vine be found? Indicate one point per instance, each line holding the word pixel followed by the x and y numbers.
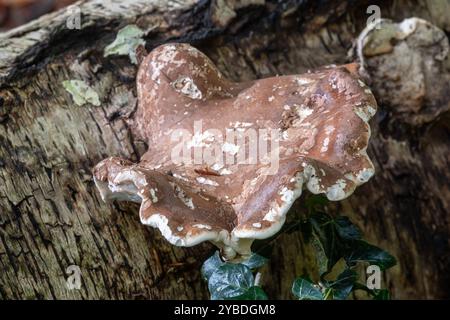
pixel 339 249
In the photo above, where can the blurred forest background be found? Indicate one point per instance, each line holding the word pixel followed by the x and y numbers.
pixel 13 13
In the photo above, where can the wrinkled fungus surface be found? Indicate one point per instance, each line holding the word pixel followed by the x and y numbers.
pixel 320 120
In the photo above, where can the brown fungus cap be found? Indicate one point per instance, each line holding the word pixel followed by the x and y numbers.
pixel 313 128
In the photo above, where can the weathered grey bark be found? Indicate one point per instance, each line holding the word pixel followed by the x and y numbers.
pixel 51 215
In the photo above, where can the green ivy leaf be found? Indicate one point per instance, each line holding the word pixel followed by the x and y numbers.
pixel 128 39
pixel 315 203
pixel 255 261
pixel 365 252
pixel 252 293
pixel 324 229
pixel 382 294
pixel 343 285
pixel 321 257
pixel 230 280
pixel 81 92
pixel 377 294
pixel 304 289
pixel 346 229
pixel 211 265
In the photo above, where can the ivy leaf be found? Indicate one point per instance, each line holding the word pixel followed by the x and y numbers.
pixel 315 203
pixel 255 261
pixel 81 92
pixel 252 293
pixel 382 294
pixel 264 247
pixel 324 228
pixel 363 251
pixel 377 294
pixel 343 285
pixel 128 39
pixel 346 229
pixel 304 289
pixel 321 257
pixel 211 265
pixel 230 280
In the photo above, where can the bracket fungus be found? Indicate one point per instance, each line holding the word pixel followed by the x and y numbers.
pixel 407 64
pixel 227 160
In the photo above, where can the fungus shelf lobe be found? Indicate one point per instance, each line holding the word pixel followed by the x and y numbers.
pixel 313 126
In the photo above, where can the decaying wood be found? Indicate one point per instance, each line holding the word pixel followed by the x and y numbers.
pixel 51 215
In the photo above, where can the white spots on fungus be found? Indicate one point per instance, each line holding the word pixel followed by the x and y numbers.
pixel 303 112
pixel 181 194
pixel 187 86
pixel 287 195
pixel 153 195
pixel 337 191
pixel 230 148
pixel 303 81
pixel 201 139
pixel 225 171
pixel 324 148
pixel 177 176
pixel 313 183
pixel 162 223
pixel 217 166
pixel 365 112
pixel 239 124
pixel 328 131
pixel 166 57
pixel 206 181
pixel 202 226
pixel 365 174
pixel 271 215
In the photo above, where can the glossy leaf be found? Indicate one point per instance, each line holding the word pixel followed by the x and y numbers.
pixel 315 203
pixel 230 280
pixel 255 261
pixel 252 293
pixel 304 289
pixel 382 294
pixel 343 285
pixel 363 251
pixel 211 265
pixel 346 229
pixel 321 257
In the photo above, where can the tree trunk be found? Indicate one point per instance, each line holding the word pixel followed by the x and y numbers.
pixel 52 217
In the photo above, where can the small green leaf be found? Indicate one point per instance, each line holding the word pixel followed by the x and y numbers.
pixel 363 251
pixel 346 229
pixel 81 92
pixel 128 39
pixel 377 294
pixel 315 203
pixel 324 228
pixel 305 290
pixel 255 261
pixel 252 293
pixel 343 285
pixel 321 257
pixel 211 265
pixel 230 280
pixel 382 294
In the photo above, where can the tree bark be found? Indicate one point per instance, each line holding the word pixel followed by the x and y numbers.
pixel 51 215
